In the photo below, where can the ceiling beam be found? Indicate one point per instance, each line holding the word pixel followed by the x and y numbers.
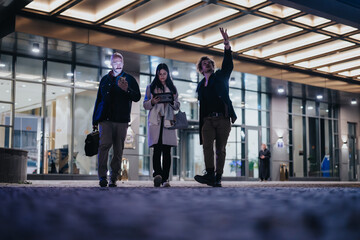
pixel 64 7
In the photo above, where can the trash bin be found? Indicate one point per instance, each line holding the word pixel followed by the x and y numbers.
pixel 13 165
pixel 284 172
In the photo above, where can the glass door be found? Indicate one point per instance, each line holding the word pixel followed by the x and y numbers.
pixel 252 143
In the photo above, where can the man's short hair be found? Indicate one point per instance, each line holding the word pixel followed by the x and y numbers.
pixel 117 55
pixel 198 65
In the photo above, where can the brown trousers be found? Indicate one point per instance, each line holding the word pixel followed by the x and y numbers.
pixel 111 134
pixel 215 129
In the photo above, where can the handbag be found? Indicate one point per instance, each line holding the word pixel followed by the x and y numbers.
pixel 92 143
pixel 180 121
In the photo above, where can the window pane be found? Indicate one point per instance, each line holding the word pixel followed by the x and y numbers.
pixel 298 148
pixel 5 114
pixel 4 137
pixel 310 108
pixel 251 82
pixel 265 102
pixel 5 66
pixel 5 90
pixel 182 70
pixel 84 106
pixel 57 129
pixel 188 98
pixel 235 80
pixel 28 121
pixel 265 119
pixel 144 64
pixel 251 99
pixel 251 117
pixel 297 107
pixel 86 77
pixel 324 110
pixel 144 82
pixel 59 73
pixel 58 49
pixel 29 69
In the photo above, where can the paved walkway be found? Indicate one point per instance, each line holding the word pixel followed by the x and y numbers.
pixel 136 210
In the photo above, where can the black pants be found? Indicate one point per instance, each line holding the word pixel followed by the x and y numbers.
pixel 164 150
pixel 264 169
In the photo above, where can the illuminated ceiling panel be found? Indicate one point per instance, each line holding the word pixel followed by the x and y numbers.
pixel 46 5
pixel 287 45
pixel 337 57
pixel 313 51
pixel 93 10
pixel 189 22
pixel 356 36
pixel 279 10
pixel 234 27
pixel 150 13
pixel 341 66
pixel 263 30
pixel 246 3
pixel 351 73
pixel 261 37
pixel 339 29
pixel 311 20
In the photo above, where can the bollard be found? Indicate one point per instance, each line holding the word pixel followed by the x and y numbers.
pixel 13 165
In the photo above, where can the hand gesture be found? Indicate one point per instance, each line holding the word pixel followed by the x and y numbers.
pixel 225 37
pixel 155 100
pixel 123 84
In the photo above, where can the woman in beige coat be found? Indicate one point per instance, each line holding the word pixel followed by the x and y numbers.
pixel 161 116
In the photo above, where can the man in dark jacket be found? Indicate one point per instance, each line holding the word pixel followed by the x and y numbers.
pixel 264 163
pixel 216 110
pixel 117 91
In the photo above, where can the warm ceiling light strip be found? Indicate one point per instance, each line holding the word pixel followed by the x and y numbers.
pixel 234 27
pixel 351 73
pixel 261 37
pixel 93 16
pixel 287 45
pixel 279 10
pixel 341 66
pixel 150 13
pixel 313 51
pixel 206 15
pixel 337 57
pixel 45 6
pixel 311 20
pixel 246 3
pixel 356 36
pixel 339 29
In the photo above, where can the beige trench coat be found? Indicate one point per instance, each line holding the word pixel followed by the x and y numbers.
pixel 169 136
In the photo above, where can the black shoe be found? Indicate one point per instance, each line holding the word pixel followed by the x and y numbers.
pixel 218 180
pixel 157 180
pixel 112 183
pixel 103 182
pixel 208 178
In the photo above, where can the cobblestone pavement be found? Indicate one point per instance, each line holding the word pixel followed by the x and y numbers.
pixel 136 210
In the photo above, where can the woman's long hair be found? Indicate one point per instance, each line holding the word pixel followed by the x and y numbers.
pixel 156 83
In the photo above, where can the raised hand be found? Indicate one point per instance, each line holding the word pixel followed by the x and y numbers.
pixel 123 84
pixel 225 37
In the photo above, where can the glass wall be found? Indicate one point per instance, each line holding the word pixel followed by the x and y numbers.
pixel 313 138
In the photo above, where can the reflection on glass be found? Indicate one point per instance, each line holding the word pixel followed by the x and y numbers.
pixel 194 156
pixel 324 110
pixel 5 66
pixel 251 117
pixel 29 69
pixel 297 107
pixel 253 151
pixel 235 80
pixel 86 77
pixel 57 129
pixel 59 49
pixel 27 128
pixel 188 98
pixel 310 108
pixel 251 82
pixel 298 148
pixel 59 73
pixel 84 105
pixel 251 99
pixel 5 90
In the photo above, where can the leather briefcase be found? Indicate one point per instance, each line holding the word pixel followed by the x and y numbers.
pixel 92 143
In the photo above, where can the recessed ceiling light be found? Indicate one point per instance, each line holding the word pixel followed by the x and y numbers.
pixel 35 47
pixel 319 96
pixel 69 74
pixel 281 89
pixel 2 65
pixel 175 72
pixel 353 101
